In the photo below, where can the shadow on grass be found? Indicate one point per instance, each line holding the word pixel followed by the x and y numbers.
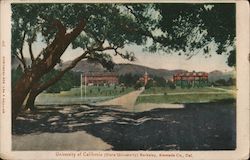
pixel 203 126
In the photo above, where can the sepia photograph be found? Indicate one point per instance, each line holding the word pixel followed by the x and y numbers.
pixel 121 76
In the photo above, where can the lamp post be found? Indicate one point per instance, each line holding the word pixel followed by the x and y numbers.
pixel 85 86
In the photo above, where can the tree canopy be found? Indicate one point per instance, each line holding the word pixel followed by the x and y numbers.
pixel 178 27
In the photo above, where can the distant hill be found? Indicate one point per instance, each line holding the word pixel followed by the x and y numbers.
pixel 215 75
pixel 121 69
pixel 84 67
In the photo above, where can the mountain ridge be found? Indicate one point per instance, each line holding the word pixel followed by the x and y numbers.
pixel 126 68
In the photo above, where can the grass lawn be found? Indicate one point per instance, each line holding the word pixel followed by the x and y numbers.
pixel 179 95
pixel 228 87
pixel 96 91
pixel 93 94
pixel 162 90
pixel 185 98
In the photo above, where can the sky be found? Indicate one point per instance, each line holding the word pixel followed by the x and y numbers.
pixel 158 60
pixel 172 61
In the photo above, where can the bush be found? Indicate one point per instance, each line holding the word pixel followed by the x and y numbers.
pixel 149 84
pixel 68 81
pixel 171 85
pixel 138 85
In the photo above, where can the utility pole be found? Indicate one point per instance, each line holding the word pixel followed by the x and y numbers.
pixel 81 87
pixel 85 86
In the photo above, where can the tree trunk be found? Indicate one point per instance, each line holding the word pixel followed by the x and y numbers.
pixel 30 104
pixel 52 55
pixel 20 92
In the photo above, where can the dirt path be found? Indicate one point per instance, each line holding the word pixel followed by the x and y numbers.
pixel 126 101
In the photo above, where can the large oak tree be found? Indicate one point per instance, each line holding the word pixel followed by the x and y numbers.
pixel 99 29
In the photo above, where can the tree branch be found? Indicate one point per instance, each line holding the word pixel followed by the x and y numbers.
pixel 52 81
pixel 44 86
pixel 197 52
pixel 58 24
pixel 39 55
pixel 58 38
pixel 30 41
pixel 76 31
pixel 53 52
pixel 21 51
pixel 141 31
pixel 20 59
pixel 57 43
pixel 54 23
pixel 86 54
pixel 115 49
pixel 31 52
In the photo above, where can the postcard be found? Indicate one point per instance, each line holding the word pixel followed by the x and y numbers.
pixel 124 80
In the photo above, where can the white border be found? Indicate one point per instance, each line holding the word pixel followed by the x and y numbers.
pixel 242 150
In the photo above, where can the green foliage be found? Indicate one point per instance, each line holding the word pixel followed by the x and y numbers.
pixel 129 80
pixel 231 82
pixel 185 98
pixel 185 28
pixel 138 85
pixel 132 80
pixel 104 22
pixel 162 90
pixel 159 81
pixel 223 82
pixel 179 27
pixel 97 91
pixel 194 26
pixel 171 85
pixel 231 61
pixel 149 84
pixel 68 81
pixel 104 59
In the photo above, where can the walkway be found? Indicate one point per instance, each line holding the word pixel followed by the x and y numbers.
pixel 126 101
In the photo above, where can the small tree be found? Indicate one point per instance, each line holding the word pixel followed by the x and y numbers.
pixel 138 85
pixel 171 85
pixel 149 84
pixel 231 81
